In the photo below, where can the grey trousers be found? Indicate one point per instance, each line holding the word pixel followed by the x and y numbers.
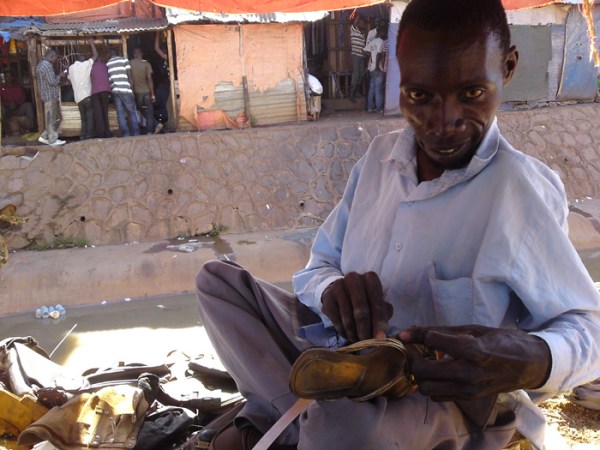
pixel 252 325
pixel 53 118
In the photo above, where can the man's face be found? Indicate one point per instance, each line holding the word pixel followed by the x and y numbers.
pixel 52 58
pixel 450 89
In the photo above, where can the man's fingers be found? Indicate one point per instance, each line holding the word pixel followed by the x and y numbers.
pixel 361 311
pixel 347 313
pixel 381 311
pixel 450 341
pixel 331 305
pixel 356 306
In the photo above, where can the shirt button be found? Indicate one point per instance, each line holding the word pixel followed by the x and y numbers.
pixel 398 246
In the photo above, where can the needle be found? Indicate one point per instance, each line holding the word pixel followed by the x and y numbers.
pixel 62 340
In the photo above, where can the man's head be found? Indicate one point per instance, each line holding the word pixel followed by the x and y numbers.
pixel 51 56
pixel 138 53
pixel 454 57
pixel 360 22
pixel 112 52
pixel 81 57
pixel 382 31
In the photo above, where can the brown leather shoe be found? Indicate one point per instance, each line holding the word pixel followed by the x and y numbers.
pixel 323 374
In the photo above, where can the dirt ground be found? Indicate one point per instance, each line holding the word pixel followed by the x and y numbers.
pixel 576 424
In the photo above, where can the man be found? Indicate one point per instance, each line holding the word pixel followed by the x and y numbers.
pixel 14 103
pixel 119 73
pixel 445 236
pixel 80 76
pixel 376 51
pixel 161 113
pixel 101 97
pixel 372 34
pixel 48 84
pixel 143 87
pixel 357 42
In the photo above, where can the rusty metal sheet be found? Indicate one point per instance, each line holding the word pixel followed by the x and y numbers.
pixel 115 26
pixel 280 104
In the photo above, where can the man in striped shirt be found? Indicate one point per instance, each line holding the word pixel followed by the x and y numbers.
pixel 357 42
pixel 49 86
pixel 119 74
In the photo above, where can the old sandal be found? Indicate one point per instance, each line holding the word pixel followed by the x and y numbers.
pixel 323 374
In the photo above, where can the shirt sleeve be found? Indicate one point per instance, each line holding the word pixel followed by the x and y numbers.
pixel 324 265
pixel 562 307
pixel 561 302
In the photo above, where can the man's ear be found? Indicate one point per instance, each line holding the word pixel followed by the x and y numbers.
pixel 510 64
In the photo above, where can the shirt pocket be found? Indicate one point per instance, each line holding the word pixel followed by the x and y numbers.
pixel 452 301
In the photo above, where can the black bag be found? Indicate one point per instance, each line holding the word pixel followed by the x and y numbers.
pixel 165 428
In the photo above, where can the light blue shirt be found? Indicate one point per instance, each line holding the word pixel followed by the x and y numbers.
pixel 484 244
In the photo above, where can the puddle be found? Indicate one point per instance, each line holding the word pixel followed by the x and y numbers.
pixel 143 330
pixel 189 244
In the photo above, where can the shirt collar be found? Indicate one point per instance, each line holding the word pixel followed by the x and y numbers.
pixel 404 152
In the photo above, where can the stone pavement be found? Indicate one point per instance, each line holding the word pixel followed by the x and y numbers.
pixel 110 273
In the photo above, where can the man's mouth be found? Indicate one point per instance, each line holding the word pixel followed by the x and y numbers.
pixel 447 151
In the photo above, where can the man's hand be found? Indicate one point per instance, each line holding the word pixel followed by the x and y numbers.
pixel 356 306
pixel 478 361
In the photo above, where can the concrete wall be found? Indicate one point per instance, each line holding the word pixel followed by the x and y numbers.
pixel 157 187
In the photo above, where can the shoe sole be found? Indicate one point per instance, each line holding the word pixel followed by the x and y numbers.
pixel 322 374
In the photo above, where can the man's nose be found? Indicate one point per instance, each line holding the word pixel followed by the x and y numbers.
pixel 446 118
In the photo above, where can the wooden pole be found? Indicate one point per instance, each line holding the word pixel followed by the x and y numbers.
pixel 170 58
pixel 124 45
pixel 33 58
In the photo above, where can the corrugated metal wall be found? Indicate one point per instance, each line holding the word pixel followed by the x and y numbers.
pixel 275 105
pixel 578 80
pixel 256 68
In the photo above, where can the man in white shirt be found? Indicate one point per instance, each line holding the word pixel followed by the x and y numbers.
pixel 80 77
pixel 375 50
pixel 445 236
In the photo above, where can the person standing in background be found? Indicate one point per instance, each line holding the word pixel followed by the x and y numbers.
pixel 143 88
pixel 48 83
pixel 101 97
pixel 357 42
pixel 80 77
pixel 119 74
pixel 163 88
pixel 14 102
pixel 375 49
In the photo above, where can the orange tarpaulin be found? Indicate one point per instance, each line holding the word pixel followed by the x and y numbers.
pixel 49 7
pixel 522 4
pixel 55 7
pixel 288 6
pixel 265 6
pixel 122 10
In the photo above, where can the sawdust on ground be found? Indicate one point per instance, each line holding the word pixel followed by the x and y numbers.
pixel 576 424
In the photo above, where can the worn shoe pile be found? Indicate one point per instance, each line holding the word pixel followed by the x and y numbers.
pixel 134 406
pixel 587 395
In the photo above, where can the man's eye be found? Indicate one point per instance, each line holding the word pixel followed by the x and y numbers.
pixel 473 93
pixel 417 95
